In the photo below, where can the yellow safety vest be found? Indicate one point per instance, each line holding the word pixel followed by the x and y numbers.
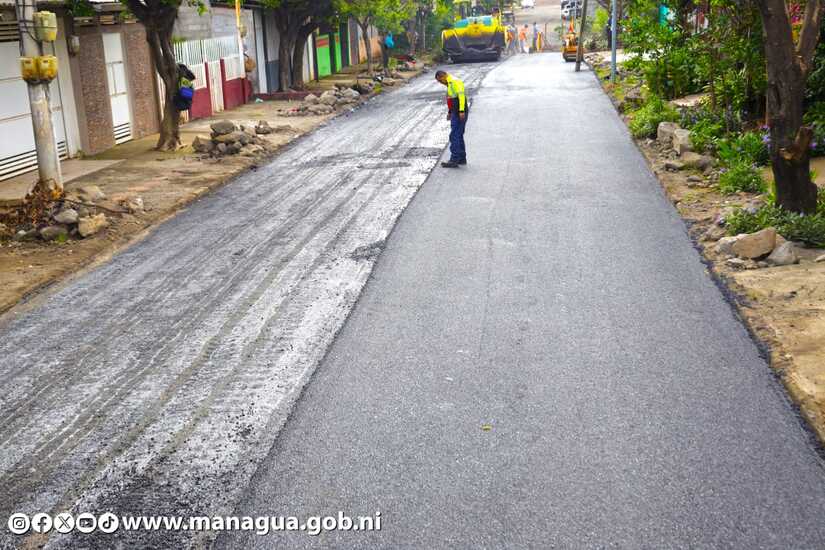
pixel 455 90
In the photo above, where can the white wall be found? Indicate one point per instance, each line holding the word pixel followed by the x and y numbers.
pixel 66 90
pixel 309 61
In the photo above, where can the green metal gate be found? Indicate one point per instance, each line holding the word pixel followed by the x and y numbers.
pixel 323 56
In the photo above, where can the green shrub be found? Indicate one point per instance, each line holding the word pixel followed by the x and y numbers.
pixel 815 113
pixel 747 148
pixel 706 133
pixel 741 176
pixel 645 120
pixel 795 227
pixel 600 19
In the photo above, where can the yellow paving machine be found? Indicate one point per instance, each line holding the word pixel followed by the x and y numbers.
pixel 476 35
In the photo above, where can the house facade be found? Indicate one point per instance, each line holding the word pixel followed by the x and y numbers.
pixel 108 92
pixel 105 92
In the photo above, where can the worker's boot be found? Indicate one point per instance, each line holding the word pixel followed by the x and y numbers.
pixel 462 162
pixel 449 164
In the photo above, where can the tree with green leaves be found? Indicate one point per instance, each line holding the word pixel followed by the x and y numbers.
pixel 421 13
pixel 158 18
pixel 385 15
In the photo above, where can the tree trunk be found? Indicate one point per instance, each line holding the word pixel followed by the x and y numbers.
pixel 298 58
pixel 285 47
pixel 365 36
pixel 790 140
pixel 169 127
pixel 284 55
pixel 287 33
pixel 160 46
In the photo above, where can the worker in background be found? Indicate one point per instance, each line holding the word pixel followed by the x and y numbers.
pixel 457 111
pixel 535 37
pixel 522 39
pixel 512 39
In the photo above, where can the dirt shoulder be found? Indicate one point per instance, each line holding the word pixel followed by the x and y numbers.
pixel 783 306
pixel 165 182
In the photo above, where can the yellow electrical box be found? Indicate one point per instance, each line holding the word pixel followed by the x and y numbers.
pixel 45 26
pixel 28 69
pixel 47 67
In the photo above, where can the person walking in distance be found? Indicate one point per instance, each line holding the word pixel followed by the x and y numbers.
pixel 457 111
pixel 522 39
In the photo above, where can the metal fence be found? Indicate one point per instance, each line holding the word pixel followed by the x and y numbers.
pixel 194 52
pixel 198 54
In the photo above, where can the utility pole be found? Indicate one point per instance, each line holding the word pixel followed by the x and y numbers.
pixel 48 163
pixel 239 29
pixel 613 37
pixel 580 47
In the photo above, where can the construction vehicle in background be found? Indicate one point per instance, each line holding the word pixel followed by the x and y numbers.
pixel 570 48
pixel 476 35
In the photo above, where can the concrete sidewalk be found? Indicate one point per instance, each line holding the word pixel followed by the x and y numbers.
pixel 540 361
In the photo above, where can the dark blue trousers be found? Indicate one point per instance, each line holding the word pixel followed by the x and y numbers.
pixel 458 151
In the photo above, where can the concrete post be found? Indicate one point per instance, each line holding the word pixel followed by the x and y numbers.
pixel 48 162
pixel 613 37
pixel 580 47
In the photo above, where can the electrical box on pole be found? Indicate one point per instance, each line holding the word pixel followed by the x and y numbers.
pixel 38 70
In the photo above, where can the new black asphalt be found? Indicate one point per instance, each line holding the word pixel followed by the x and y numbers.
pixel 541 360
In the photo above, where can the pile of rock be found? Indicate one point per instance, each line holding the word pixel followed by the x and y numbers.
pixel 674 142
pixel 228 138
pixel 763 248
pixel 75 216
pixel 633 99
pixel 327 102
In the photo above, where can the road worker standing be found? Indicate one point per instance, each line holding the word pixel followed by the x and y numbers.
pixel 457 115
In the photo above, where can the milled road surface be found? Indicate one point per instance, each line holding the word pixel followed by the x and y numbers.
pixel 156 383
pixel 540 360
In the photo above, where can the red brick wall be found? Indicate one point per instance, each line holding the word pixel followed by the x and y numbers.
pixel 140 71
pixel 94 106
pixel 91 89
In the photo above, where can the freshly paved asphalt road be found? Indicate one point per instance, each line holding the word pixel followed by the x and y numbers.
pixel 548 292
